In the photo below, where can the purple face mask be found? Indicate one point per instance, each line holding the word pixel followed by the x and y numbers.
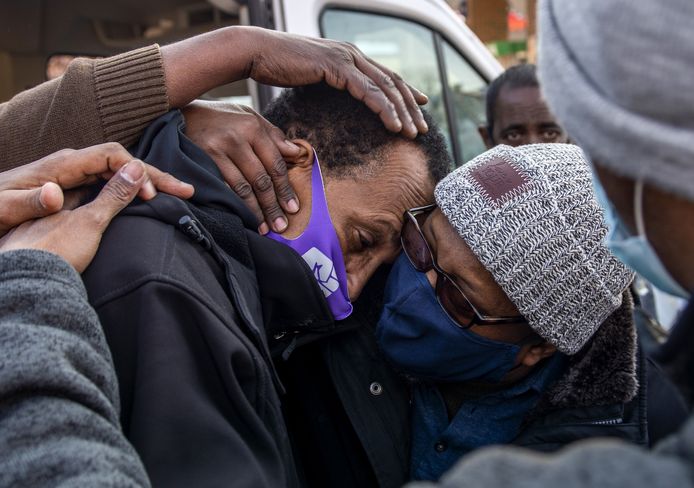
pixel 320 248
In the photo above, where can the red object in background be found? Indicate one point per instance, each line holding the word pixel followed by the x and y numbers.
pixel 516 22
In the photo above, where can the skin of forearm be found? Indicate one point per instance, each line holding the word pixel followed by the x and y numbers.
pixel 199 64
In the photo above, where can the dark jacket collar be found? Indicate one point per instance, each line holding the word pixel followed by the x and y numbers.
pixel 289 296
pixel 604 372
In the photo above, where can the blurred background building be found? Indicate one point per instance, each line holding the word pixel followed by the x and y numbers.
pixel 426 41
pixel 507 27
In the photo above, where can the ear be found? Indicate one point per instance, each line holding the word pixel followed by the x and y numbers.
pixel 305 158
pixel 486 136
pixel 536 353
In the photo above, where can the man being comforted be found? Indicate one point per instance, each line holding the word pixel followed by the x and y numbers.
pixel 188 307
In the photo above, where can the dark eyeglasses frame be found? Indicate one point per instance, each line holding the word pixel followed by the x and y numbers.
pixel 444 279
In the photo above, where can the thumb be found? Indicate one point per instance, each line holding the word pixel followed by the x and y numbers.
pixel 19 206
pixel 50 198
pixel 120 190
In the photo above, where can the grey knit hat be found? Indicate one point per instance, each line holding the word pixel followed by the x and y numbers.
pixel 618 75
pixel 530 217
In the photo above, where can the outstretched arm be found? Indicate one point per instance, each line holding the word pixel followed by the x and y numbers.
pixel 114 99
pixel 58 390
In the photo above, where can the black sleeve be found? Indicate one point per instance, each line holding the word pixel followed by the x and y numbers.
pixel 667 410
pixel 58 391
pixel 196 402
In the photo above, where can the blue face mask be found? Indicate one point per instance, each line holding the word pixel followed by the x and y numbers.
pixel 635 251
pixel 420 340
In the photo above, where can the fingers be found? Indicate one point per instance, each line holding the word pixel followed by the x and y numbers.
pixel 118 192
pixel 271 151
pixel 382 90
pixel 258 190
pixel 19 206
pixel 412 97
pixel 238 183
pixel 365 89
pixel 51 197
pixel 419 96
pixel 388 88
pixel 166 183
pixel 72 168
pixel 264 188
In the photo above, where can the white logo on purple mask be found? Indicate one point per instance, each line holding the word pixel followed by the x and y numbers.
pixel 323 269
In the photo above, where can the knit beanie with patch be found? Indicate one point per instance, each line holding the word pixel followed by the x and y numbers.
pixel 530 216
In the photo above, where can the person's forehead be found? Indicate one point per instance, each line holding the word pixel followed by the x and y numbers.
pixel 405 173
pixel 522 105
pixel 401 181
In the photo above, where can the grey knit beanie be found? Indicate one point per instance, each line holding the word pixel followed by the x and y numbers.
pixel 618 75
pixel 530 217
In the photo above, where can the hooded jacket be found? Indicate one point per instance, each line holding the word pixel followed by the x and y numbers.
pixel 196 305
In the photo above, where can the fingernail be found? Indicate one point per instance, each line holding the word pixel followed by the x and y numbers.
pixel 291 145
pixel 293 205
pixel 263 229
pixel 132 171
pixel 150 188
pixel 280 224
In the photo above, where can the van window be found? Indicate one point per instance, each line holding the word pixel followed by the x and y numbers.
pixel 467 99
pixel 403 46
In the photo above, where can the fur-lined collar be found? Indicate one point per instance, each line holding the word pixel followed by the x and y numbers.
pixel 604 371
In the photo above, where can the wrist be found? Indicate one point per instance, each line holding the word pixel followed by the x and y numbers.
pixel 196 65
pixel 249 41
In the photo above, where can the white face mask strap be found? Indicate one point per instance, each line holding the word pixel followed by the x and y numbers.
pixel 638 209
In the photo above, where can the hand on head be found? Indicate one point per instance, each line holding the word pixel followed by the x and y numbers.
pixel 33 209
pixel 287 60
pixel 304 61
pixel 249 151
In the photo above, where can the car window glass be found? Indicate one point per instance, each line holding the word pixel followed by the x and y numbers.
pixel 467 94
pixel 403 46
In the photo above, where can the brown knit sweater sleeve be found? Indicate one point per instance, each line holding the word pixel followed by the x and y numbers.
pixel 95 101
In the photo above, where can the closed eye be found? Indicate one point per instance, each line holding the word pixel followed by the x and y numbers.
pixel 365 240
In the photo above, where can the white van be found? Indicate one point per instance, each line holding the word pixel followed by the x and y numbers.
pixel 423 40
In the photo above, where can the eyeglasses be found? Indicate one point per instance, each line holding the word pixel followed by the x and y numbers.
pixel 449 295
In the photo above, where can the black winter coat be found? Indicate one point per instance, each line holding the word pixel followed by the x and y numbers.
pixel 183 316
